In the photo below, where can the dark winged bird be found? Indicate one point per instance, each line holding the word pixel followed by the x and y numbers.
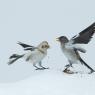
pixel 72 47
pixel 33 55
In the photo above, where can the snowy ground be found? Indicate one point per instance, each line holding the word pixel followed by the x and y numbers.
pixel 51 82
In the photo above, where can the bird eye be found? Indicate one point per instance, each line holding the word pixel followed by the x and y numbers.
pixel 45 45
pixel 42 46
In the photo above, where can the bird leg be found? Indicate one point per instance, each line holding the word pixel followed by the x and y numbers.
pixel 69 65
pixel 37 68
pixel 67 70
pixel 40 64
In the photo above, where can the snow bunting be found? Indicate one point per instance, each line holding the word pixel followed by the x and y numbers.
pixel 72 47
pixel 33 55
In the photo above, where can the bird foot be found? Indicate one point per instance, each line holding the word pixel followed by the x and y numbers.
pixel 68 71
pixel 41 68
pixel 45 68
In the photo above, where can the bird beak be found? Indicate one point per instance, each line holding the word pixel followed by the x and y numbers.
pixel 48 46
pixel 57 39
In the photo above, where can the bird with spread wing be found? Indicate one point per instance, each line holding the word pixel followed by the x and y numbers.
pixel 72 47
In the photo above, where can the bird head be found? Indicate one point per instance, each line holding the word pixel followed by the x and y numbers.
pixel 62 39
pixel 44 45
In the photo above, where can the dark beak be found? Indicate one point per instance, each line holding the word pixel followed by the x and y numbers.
pixel 48 46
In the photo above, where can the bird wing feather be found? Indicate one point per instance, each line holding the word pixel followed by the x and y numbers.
pixel 27 47
pixel 84 36
pixel 75 46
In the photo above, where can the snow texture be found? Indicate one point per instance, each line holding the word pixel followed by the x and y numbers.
pixel 50 82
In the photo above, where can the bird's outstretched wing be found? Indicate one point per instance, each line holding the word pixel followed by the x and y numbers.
pixel 77 47
pixel 84 36
pixel 27 47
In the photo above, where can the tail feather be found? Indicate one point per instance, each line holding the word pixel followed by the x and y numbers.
pixel 14 58
pixel 82 61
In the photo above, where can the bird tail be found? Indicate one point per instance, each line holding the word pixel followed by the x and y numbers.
pixel 83 62
pixel 14 58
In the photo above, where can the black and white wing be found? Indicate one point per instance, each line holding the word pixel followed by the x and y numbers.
pixel 77 47
pixel 84 36
pixel 27 47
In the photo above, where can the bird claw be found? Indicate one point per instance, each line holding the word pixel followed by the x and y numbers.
pixel 41 68
pixel 68 71
pixel 68 66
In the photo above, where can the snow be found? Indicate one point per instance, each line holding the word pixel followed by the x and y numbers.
pixel 51 82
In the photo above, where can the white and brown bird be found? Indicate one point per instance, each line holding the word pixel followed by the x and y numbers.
pixel 72 47
pixel 33 55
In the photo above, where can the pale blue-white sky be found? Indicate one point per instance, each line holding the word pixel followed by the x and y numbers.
pixel 32 21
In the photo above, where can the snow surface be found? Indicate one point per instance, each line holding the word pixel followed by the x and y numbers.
pixel 51 82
